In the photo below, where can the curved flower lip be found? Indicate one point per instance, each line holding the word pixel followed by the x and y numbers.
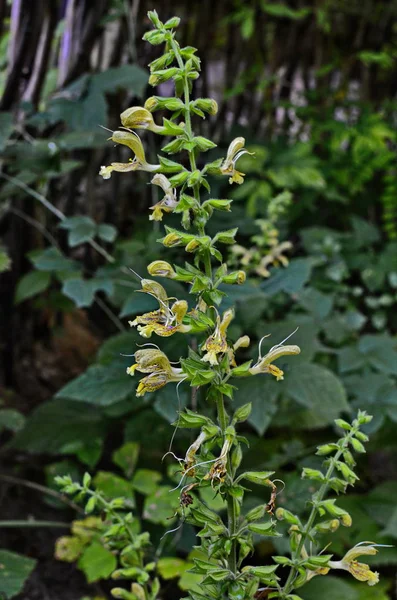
pixel 360 571
pixel 156 363
pixel 138 117
pixel 133 141
pixel 168 203
pixel 217 343
pixel 264 365
pixel 234 152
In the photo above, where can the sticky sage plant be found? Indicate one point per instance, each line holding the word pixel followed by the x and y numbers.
pixel 214 458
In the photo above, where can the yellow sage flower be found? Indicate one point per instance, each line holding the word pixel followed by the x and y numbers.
pixel 156 363
pixel 133 141
pixel 264 364
pixel 234 152
pixel 216 343
pixel 138 117
pixel 166 320
pixel 168 203
pixel 360 571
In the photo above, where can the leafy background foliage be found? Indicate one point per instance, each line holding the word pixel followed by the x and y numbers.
pixel 313 91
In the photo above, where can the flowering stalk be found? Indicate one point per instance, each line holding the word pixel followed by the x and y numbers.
pixel 214 458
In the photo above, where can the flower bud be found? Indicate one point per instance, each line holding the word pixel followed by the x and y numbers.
pixel 171 240
pixel 328 526
pixel 121 593
pixel 238 277
pixel 192 246
pixel 138 117
pixel 172 23
pixel 160 268
pixel 162 75
pixel 208 105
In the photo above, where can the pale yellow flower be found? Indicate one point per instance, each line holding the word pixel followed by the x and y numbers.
pixel 156 363
pixel 133 141
pixel 165 321
pixel 138 117
pixel 265 363
pixel 168 203
pixel 234 152
pixel 360 571
pixel 216 343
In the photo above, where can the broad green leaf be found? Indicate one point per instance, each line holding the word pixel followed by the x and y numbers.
pixel 319 391
pixel 11 419
pixel 137 304
pixel 171 567
pixel 82 291
pixel 113 486
pixel 51 259
pixel 263 392
pixel 126 457
pixel 146 481
pixel 331 588
pixel 32 284
pixel 54 424
pixel 107 233
pixel 81 229
pixel 14 570
pixel 97 562
pixel 284 11
pixel 129 77
pixel 291 279
pixel 5 261
pixel 160 506
pixel 100 385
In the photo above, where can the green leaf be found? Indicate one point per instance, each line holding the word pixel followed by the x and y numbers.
pixel 160 506
pixel 11 419
pixel 81 229
pixel 107 233
pixel 291 279
pixel 129 77
pixel 5 261
pixel 6 128
pixel 82 291
pixel 113 486
pixel 32 284
pixel 284 11
pixel 334 589
pixel 171 567
pixel 264 393
pixel 97 562
pixel 14 570
pixel 146 481
pixel 319 391
pixel 126 457
pixel 100 385
pixel 51 259
pixel 54 424
pixel 137 304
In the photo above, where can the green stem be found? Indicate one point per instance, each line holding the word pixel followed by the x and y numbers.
pixel 313 513
pixel 33 523
pixel 231 502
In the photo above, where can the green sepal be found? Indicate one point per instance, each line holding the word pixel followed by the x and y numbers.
pixel 218 204
pixel 313 474
pixel 242 370
pixel 169 166
pixel 191 420
pixel 175 146
pixel 226 237
pixel 258 477
pixel 264 529
pixel 213 167
pixel 186 202
pixel 266 574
